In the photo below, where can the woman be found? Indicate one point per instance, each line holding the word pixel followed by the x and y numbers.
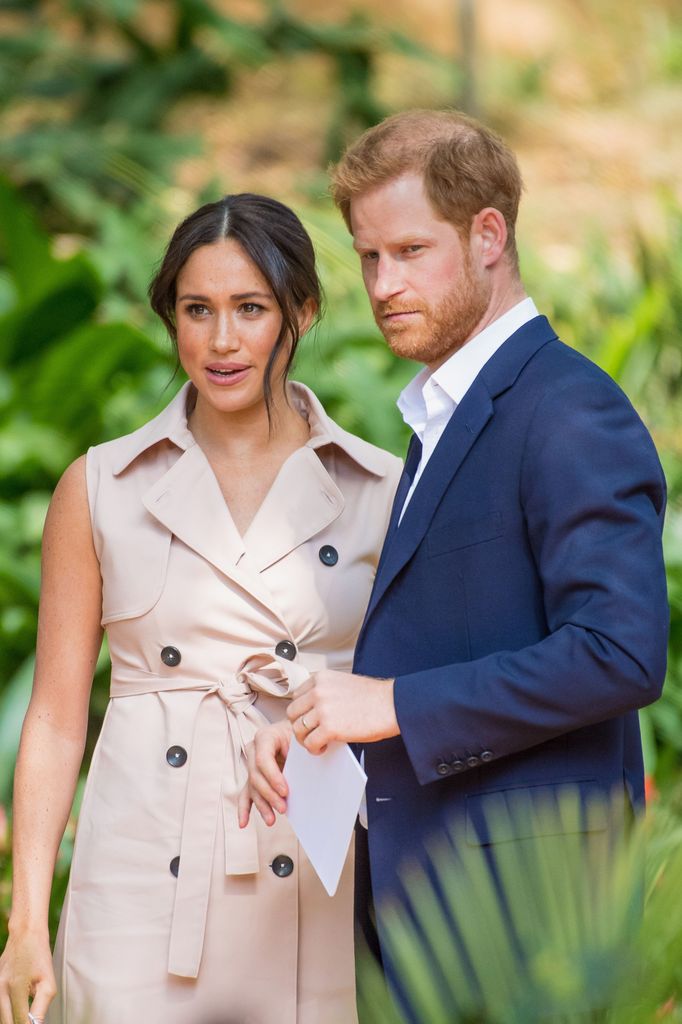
pixel 228 548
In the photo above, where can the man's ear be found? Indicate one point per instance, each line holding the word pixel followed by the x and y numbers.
pixel 489 235
pixel 306 315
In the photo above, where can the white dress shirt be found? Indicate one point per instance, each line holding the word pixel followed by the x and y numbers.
pixel 429 400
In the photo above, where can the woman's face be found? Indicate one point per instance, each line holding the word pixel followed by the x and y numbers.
pixel 227 324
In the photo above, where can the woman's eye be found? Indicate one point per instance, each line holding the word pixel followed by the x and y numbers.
pixel 197 309
pixel 251 307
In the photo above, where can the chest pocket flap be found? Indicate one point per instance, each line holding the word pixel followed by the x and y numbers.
pixel 134 563
pixel 462 533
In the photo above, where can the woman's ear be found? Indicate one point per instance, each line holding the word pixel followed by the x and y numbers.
pixel 306 316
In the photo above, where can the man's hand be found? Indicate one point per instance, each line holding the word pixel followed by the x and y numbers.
pixel 339 706
pixel 267 787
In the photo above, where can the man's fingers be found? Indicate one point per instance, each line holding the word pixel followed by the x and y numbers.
pixel 301 704
pixel 316 741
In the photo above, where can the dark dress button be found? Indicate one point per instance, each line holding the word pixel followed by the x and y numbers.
pixel 286 649
pixel 473 761
pixel 486 756
pixel 282 865
pixel 457 765
pixel 176 756
pixel 174 866
pixel 171 656
pixel 443 768
pixel 328 555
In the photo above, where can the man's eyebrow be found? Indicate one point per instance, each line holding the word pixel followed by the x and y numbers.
pixel 416 239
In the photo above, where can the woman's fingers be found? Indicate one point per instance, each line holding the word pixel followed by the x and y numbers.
pixel 5 1008
pixel 19 997
pixel 44 993
pixel 244 805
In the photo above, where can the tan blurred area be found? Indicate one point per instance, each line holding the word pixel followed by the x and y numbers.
pixel 576 86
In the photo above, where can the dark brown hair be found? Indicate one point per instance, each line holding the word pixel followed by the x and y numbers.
pixel 273 237
pixel 466 167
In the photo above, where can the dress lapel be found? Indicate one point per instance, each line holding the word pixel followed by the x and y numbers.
pixel 302 501
pixel 188 501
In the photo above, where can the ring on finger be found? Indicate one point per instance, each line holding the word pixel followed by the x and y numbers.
pixel 305 724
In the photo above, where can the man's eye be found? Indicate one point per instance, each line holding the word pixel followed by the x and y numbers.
pixel 369 256
pixel 413 248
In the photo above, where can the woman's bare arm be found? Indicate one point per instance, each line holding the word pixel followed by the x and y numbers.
pixel 52 739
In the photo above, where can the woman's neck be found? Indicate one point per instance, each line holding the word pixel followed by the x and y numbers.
pixel 248 432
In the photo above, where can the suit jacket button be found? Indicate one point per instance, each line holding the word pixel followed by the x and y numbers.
pixel 282 865
pixel 176 756
pixel 457 765
pixel 171 656
pixel 486 756
pixel 174 866
pixel 286 649
pixel 328 555
pixel 473 761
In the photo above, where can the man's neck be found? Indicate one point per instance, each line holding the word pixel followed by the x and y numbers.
pixel 501 301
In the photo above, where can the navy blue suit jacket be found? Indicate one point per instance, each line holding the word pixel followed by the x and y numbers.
pixel 521 603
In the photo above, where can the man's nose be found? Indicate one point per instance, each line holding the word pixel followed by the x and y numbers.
pixel 387 281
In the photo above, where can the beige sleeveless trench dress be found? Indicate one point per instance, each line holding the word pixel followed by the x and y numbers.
pixel 173 914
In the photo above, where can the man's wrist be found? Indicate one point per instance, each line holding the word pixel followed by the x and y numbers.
pixel 391 724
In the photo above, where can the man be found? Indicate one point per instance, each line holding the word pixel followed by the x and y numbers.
pixel 518 618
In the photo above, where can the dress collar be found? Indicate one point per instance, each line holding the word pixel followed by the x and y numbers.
pixel 171 425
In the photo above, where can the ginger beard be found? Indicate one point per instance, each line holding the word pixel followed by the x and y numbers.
pixel 437 330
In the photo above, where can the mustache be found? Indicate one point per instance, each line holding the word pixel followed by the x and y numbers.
pixel 383 309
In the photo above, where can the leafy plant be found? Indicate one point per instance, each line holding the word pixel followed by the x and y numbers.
pixel 576 925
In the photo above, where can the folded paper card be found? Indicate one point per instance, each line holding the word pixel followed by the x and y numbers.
pixel 325 791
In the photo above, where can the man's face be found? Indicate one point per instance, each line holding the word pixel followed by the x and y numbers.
pixel 428 293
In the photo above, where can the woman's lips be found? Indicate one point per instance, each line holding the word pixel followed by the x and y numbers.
pixel 226 376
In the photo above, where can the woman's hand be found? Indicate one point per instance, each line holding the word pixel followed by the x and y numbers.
pixel 25 972
pixel 266 787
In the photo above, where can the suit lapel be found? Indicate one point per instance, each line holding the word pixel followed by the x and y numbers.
pixel 465 425
pixel 460 435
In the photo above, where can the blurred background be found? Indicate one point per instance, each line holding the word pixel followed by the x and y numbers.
pixel 117 119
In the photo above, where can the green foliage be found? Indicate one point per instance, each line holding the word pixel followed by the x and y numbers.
pixel 66 378
pixel 586 931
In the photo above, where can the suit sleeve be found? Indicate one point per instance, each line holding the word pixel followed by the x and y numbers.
pixel 593 496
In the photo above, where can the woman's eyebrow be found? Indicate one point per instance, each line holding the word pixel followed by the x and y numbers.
pixel 239 296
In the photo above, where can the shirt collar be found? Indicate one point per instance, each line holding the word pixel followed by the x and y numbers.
pixel 458 372
pixel 171 425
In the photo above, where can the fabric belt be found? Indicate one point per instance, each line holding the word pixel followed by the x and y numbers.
pixel 216 776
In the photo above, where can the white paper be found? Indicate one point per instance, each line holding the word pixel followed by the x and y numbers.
pixel 325 791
